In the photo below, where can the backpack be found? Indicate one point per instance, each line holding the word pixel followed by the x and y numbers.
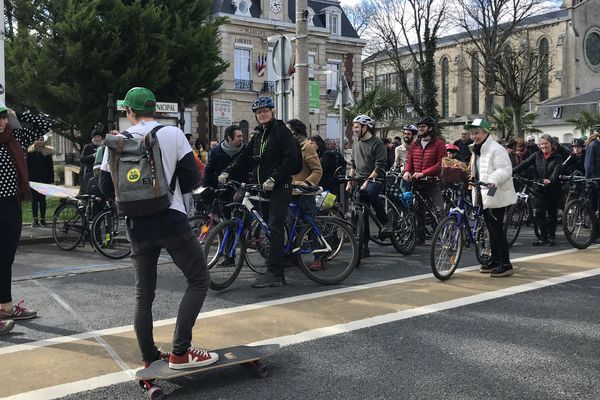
pixel 141 187
pixel 299 162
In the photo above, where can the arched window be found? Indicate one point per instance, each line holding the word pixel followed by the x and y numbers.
pixel 445 86
pixel 543 51
pixel 475 83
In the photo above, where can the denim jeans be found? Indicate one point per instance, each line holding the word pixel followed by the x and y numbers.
pixel 188 256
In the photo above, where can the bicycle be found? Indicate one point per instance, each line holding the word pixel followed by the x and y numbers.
pixel 432 217
pixel 580 217
pixel 326 238
pixel 74 223
pixel 455 232
pixel 359 211
pixel 208 213
pixel 522 211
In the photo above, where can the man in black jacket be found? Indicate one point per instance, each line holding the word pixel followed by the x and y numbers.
pixel 464 153
pixel 222 155
pixel 165 230
pixel 88 155
pixel 274 155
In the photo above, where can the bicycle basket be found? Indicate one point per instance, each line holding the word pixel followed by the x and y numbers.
pixel 325 201
pixel 453 171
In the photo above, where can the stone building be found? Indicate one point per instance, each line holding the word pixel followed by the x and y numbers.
pixel 571 38
pixel 333 44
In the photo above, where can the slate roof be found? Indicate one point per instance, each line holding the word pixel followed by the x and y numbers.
pixel 585 98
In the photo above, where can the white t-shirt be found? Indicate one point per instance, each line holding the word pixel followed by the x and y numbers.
pixel 173 145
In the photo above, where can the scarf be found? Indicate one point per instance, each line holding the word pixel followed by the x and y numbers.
pixel 18 155
pixel 477 147
pixel 230 150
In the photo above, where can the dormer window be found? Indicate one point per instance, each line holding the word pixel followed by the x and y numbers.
pixel 334 21
pixel 243 8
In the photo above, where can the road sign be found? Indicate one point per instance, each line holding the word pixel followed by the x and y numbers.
pixel 282 57
pixel 314 99
pixel 222 112
pixel 160 107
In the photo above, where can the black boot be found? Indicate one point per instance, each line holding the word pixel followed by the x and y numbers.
pixel 268 280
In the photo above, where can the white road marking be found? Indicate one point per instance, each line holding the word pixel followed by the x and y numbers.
pixel 120 377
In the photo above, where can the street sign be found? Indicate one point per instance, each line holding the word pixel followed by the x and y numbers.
pixel 344 94
pixel 314 98
pixel 222 112
pixel 160 107
pixel 282 57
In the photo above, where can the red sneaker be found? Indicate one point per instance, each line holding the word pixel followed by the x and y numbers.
pixel 163 355
pixel 18 312
pixel 192 358
pixel 316 265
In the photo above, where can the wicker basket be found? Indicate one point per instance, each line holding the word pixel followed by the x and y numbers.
pixel 453 171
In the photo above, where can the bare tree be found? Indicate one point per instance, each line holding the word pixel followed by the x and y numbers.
pixel 521 73
pixel 358 14
pixel 489 24
pixel 406 31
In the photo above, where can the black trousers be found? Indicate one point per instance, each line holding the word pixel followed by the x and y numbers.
pixel 275 213
pixel 546 212
pixel 38 199
pixel 10 233
pixel 188 256
pixel 494 220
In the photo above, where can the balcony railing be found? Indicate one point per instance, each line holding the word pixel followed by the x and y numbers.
pixel 244 85
pixel 269 86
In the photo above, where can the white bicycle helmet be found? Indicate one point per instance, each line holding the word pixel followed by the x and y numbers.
pixel 365 120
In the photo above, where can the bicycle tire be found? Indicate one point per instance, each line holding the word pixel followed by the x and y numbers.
pixel 360 234
pixel 579 224
pixel 200 225
pixel 404 235
pixel 67 226
pixel 514 221
pixel 225 234
pixel 338 263
pixel 536 228
pixel 447 236
pixel 257 248
pixel 108 233
pixel 483 248
pixel 384 241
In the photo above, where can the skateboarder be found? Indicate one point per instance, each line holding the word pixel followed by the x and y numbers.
pixel 168 230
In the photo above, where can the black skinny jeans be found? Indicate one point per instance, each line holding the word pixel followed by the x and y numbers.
pixel 188 256
pixel 275 213
pixel 494 220
pixel 38 199
pixel 370 196
pixel 10 233
pixel 546 211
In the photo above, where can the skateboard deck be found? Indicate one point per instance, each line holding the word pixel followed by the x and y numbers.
pixel 227 357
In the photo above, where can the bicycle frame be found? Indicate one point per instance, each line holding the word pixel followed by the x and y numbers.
pixel 461 213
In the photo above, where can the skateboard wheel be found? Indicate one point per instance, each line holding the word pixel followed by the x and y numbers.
pixel 155 393
pixel 263 371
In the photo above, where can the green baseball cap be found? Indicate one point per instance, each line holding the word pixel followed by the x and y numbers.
pixel 479 123
pixel 140 99
pixel 3 107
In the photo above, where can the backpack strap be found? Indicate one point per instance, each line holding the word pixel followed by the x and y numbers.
pixel 149 140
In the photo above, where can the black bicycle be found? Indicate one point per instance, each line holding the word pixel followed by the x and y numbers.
pixel 425 203
pixel 522 211
pixel 580 215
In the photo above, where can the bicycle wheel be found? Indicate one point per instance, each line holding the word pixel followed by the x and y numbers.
pixel 328 252
pixel 579 224
pixel 513 222
pixel 536 228
pixel 483 248
pixel 446 248
pixel 404 230
pixel 257 248
pixel 225 250
pixel 360 234
pixel 67 226
pixel 201 225
pixel 374 229
pixel 109 236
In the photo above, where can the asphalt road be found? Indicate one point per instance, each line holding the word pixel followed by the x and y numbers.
pixel 541 344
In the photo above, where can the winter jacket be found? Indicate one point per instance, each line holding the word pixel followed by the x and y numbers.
pixel 272 153
pixel 592 159
pixel 311 166
pixel 464 153
pixel 40 166
pixel 544 168
pixel 494 166
pixel 573 164
pixel 427 160
pixel 88 156
pixel 218 160
pixel 330 161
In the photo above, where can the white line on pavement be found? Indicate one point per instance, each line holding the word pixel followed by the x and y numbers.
pixel 120 377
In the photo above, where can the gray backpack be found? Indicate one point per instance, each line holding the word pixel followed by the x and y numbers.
pixel 141 187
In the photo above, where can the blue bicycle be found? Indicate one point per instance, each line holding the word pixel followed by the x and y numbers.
pixel 324 248
pixel 464 226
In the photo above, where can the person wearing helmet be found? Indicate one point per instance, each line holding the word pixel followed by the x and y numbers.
pixel 368 161
pixel 424 159
pixel 575 162
pixel 463 143
pixel 274 155
pixel 530 146
pixel 592 154
pixel 409 132
pixel 452 151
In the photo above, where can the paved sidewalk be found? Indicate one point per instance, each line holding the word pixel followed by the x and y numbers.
pixel 30 235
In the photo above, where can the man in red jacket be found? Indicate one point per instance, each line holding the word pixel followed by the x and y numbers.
pixel 424 159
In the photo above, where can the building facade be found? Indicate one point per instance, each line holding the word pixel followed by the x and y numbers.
pixel 333 45
pixel 569 36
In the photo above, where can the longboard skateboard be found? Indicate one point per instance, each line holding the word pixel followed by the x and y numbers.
pixel 251 355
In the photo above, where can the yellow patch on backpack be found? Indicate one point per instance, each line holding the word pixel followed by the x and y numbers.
pixel 133 175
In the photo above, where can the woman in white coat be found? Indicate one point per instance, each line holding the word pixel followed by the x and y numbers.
pixel 491 164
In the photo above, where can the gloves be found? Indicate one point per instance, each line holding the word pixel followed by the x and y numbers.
pixel 223 177
pixel 268 185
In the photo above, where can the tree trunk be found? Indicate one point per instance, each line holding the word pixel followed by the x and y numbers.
pixel 490 91
pixel 429 98
pixel 517 120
